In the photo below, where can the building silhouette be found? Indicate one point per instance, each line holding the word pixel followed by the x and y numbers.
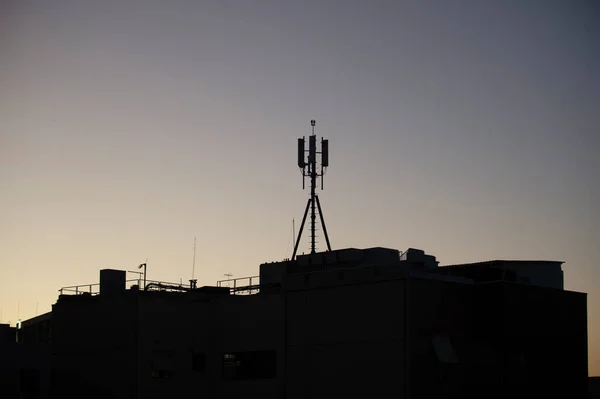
pixel 348 323
pixel 25 361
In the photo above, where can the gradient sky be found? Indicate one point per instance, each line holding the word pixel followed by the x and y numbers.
pixel 466 128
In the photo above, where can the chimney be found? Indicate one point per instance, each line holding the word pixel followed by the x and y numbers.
pixel 112 282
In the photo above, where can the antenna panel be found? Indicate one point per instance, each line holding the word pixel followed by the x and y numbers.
pixel 325 153
pixel 301 163
pixel 312 148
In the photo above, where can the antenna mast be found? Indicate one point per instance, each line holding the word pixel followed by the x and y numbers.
pixel 194 261
pixel 293 230
pixel 193 281
pixel 309 169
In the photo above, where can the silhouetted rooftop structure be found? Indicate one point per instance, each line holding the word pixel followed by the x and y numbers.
pixel 8 333
pixel 594 387
pixel 346 323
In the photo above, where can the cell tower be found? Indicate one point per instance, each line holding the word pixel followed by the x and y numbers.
pixel 309 169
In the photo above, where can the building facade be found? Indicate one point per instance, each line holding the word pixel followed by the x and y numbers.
pixel 347 323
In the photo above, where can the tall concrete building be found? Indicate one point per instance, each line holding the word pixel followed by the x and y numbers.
pixel 25 361
pixel 349 323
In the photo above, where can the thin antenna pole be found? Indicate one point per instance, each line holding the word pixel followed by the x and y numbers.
pixel 229 276
pixel 293 231
pixel 194 261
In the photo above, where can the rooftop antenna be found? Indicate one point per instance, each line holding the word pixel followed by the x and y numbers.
pixel 194 261
pixel 193 281
pixel 229 276
pixel 140 274
pixel 293 230
pixel 144 266
pixel 309 169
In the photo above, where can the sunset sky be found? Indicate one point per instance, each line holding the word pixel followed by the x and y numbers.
pixel 468 129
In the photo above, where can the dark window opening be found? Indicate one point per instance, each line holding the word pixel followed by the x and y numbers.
pixel 161 374
pixel 249 365
pixel 443 349
pixel 199 362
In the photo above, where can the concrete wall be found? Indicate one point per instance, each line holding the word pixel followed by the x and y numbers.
pixel 170 331
pixel 25 365
pixel 346 340
pixel 93 347
pixel 144 344
pixel 24 370
pixel 254 323
pixel 547 274
pixel 541 274
pixel 545 338
pixel 174 329
pixel 508 340
pixel 440 325
pixel 335 333
pixel 36 330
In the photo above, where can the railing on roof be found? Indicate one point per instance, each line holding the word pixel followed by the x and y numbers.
pixel 94 289
pixel 84 289
pixel 164 286
pixel 237 286
pixel 241 285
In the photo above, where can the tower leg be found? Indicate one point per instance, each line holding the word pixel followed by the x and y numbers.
pixel 301 228
pixel 323 222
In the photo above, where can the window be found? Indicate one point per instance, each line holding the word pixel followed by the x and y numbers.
pixel 249 365
pixel 161 374
pixel 199 362
pixel 443 349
